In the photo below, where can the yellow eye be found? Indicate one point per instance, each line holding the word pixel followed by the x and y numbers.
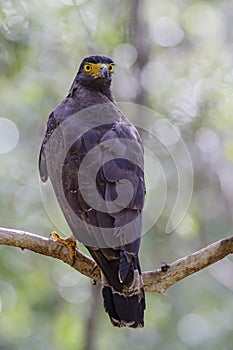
pixel 87 68
pixel 111 68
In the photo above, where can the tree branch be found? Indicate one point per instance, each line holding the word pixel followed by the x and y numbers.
pixel 154 281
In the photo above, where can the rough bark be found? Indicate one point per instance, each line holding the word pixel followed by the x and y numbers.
pixel 157 280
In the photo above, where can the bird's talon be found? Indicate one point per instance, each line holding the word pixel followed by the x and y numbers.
pixel 54 236
pixel 93 269
pixel 69 242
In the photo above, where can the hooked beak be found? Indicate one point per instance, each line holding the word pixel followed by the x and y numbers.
pixel 104 73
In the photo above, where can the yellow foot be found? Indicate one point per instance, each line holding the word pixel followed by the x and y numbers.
pixel 69 242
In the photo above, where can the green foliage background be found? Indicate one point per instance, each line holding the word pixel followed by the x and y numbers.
pixel 43 303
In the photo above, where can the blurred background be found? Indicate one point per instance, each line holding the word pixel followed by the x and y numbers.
pixel 175 57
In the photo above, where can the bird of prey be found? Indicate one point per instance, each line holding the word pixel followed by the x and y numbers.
pixel 85 132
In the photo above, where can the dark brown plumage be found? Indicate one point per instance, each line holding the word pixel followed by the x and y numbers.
pixel 88 117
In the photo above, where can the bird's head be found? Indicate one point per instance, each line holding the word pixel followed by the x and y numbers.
pixel 96 72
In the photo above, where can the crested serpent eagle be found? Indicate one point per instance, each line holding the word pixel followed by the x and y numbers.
pixel 93 157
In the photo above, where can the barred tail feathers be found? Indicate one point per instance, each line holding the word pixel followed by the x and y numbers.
pixel 124 310
pixel 123 293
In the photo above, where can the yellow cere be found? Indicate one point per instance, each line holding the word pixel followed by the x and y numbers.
pixel 94 69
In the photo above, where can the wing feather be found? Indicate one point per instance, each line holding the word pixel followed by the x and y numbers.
pixel 120 265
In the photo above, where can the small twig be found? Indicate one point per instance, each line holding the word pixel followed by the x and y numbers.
pixel 154 281
pixel 159 281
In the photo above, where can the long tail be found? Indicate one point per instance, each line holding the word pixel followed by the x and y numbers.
pixel 124 310
pixel 123 293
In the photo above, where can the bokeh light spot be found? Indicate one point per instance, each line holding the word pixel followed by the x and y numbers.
pixel 72 290
pixel 209 143
pixel 188 227
pixel 203 20
pixel 9 135
pixel 8 296
pixel 167 133
pixel 207 140
pixel 125 55
pixel 193 329
pixel 166 32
